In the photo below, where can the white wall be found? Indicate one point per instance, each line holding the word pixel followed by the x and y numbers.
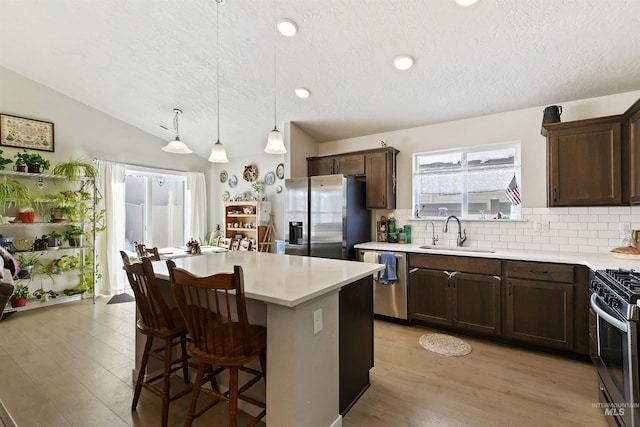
pixel 82 131
pixel 520 125
pixel 587 229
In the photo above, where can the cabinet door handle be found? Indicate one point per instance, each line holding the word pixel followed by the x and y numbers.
pixel 449 275
pixel 538 272
pixel 555 194
pixel 413 270
pixel 510 289
pixel 498 278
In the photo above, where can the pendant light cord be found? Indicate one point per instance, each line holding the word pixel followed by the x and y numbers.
pixel 175 123
pixel 218 63
pixel 275 87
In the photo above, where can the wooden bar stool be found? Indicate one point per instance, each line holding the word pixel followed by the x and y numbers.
pixel 143 251
pixel 157 320
pixel 209 305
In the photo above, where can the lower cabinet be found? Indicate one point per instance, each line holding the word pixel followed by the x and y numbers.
pixel 458 299
pixel 540 313
pixel 541 304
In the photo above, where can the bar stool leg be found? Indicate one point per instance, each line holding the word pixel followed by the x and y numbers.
pixel 143 369
pixel 166 377
pixel 194 395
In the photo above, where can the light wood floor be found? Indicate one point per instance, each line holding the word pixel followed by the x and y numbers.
pixel 70 365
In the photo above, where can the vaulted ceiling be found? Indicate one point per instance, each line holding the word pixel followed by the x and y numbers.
pixel 138 59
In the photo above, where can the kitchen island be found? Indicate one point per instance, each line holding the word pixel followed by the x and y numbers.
pixel 287 294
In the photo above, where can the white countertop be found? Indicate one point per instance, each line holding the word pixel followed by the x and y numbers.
pixel 180 252
pixel 287 280
pixel 593 261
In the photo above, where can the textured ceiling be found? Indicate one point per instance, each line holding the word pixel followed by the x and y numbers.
pixel 138 59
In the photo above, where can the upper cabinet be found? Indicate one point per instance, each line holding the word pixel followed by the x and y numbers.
pixel 376 167
pixel 631 130
pixel 594 162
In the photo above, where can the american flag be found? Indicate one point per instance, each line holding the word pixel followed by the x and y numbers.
pixel 513 193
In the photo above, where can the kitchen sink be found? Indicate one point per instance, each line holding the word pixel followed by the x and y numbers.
pixel 458 249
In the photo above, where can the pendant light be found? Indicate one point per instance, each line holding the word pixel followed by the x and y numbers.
pixel 176 146
pixel 275 143
pixel 218 154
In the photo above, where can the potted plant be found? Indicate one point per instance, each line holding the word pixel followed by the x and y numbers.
pixel 27 262
pixel 53 239
pixel 33 162
pixel 63 264
pixel 41 243
pixel 20 296
pixel 75 169
pixel 13 193
pixel 74 235
pixel 4 162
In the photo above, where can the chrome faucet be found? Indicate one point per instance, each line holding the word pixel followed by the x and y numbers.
pixel 462 234
pixel 434 236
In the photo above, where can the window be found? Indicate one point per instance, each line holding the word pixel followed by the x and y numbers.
pixel 466 182
pixel 155 208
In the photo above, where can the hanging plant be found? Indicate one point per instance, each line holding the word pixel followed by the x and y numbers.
pixel 74 170
pixel 14 193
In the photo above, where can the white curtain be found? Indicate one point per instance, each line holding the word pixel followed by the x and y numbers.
pixel 111 241
pixel 196 218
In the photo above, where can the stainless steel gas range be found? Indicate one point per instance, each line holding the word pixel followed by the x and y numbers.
pixel 613 318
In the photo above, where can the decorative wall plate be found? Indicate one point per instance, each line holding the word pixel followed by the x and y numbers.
pixel 226 196
pixel 223 176
pixel 280 171
pixel 233 181
pixel 279 189
pixel 269 178
pixel 250 173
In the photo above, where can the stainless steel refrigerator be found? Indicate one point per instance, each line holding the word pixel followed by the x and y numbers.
pixel 326 215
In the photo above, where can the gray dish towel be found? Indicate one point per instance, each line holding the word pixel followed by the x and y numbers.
pixel 388 275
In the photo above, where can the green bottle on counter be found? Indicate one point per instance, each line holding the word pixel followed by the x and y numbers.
pixel 407 232
pixel 391 224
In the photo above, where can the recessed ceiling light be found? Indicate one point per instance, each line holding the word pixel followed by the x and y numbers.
pixel 287 27
pixel 466 2
pixel 302 92
pixel 403 62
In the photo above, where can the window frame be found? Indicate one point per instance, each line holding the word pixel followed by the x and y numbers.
pixel 514 214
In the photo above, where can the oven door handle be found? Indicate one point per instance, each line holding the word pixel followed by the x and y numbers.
pixel 606 316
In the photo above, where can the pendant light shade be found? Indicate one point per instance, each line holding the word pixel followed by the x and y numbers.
pixel 275 142
pixel 218 153
pixel 176 146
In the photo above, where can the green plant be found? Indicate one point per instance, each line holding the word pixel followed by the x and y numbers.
pixel 21 291
pixel 28 158
pixel 4 162
pixel 40 244
pixel 73 230
pixel 75 169
pixel 28 259
pixel 14 193
pixel 63 264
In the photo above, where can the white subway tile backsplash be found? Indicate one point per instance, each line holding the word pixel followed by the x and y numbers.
pixel 582 229
pixel 598 210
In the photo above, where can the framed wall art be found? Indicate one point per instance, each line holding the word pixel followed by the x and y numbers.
pixel 21 132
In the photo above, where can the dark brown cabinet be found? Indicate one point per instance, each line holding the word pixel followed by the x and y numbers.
pixel 349 165
pixel 465 297
pixel 595 161
pixel 376 167
pixel 355 340
pixel 381 179
pixel 584 162
pixel 539 304
pixel 631 151
pixel 320 166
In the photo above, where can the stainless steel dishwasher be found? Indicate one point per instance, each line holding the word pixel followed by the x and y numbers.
pixel 390 300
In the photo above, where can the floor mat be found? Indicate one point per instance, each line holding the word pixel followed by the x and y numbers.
pixel 116 299
pixel 445 344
